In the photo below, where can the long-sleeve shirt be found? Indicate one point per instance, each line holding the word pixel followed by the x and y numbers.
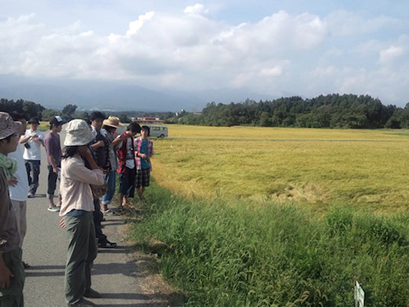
pixel 9 236
pixel 75 187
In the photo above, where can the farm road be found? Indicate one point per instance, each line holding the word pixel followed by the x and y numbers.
pixel 115 274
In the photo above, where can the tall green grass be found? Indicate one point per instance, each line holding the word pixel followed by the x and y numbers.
pixel 275 255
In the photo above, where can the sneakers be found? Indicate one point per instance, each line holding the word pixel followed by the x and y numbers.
pixel 107 244
pixel 53 209
pixel 91 293
pixel 30 195
pixel 82 303
pixel 26 265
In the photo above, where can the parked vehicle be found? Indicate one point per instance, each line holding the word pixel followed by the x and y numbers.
pixel 159 131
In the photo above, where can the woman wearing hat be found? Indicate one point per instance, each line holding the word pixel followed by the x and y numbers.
pixel 110 125
pixel 76 209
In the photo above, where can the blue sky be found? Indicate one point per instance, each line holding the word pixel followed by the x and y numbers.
pixel 267 49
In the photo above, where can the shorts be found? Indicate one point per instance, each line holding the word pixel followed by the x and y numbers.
pixel 143 177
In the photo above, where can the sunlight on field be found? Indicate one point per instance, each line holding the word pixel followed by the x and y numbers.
pixel 307 166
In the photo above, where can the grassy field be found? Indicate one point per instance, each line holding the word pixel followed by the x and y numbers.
pixel 318 167
pixel 279 217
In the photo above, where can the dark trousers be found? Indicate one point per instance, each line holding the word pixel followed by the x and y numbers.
pixel 98 217
pixel 82 250
pixel 52 182
pixel 13 295
pixel 127 182
pixel 33 172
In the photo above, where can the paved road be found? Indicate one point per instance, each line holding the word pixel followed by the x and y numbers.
pixel 114 274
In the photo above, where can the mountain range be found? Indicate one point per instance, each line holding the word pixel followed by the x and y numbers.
pixel 113 95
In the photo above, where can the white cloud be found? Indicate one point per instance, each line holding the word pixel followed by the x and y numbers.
pixel 196 9
pixel 189 48
pixel 390 54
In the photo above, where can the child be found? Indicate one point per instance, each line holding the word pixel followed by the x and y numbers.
pixel 143 153
pixel 11 265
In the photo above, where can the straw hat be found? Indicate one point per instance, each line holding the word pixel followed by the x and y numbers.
pixel 112 121
pixel 7 125
pixel 78 133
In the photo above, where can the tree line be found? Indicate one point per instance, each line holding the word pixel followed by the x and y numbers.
pixel 329 111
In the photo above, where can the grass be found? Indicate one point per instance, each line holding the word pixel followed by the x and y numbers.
pixel 279 217
pixel 221 254
pixel 364 168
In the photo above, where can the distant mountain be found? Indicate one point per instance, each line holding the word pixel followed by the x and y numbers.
pixel 96 95
pixel 115 95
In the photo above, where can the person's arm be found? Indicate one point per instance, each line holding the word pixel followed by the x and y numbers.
pixel 118 140
pixel 25 138
pixel 150 149
pixel 49 150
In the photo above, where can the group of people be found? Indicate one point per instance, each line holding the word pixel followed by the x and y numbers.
pixel 87 166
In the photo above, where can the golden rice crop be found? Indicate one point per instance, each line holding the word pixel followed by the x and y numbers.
pixel 306 166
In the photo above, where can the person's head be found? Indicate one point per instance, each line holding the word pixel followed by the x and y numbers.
pixel 56 124
pixel 145 132
pixel 111 124
pixel 20 117
pixel 97 118
pixel 133 129
pixel 34 122
pixel 78 134
pixel 9 133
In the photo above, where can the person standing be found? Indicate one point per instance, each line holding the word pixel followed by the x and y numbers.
pixel 143 153
pixel 76 209
pixel 127 164
pixel 109 127
pixel 18 186
pixel 32 140
pixel 12 274
pixel 100 146
pixel 53 148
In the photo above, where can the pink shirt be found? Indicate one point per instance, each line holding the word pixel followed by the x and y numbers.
pixel 75 187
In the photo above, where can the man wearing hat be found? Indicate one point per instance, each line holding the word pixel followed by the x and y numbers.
pixel 32 140
pixel 11 266
pixel 109 129
pixel 52 145
pixel 77 208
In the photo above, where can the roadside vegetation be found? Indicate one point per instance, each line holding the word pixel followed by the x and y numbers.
pixel 237 254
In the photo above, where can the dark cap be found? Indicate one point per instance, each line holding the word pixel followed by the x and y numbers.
pixel 57 120
pixel 34 120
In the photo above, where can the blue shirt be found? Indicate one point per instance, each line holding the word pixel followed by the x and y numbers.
pixel 144 150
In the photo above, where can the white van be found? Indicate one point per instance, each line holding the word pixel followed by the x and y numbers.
pixel 159 131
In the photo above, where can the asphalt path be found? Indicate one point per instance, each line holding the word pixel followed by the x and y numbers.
pixel 115 272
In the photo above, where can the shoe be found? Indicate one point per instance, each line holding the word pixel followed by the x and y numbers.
pixel 30 195
pixel 91 293
pixel 107 244
pixel 26 265
pixel 82 303
pixel 53 209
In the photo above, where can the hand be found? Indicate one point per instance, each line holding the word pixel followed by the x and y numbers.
pixel 12 181
pixel 55 170
pixel 99 144
pixel 141 155
pixel 5 276
pixel 62 224
pixel 35 138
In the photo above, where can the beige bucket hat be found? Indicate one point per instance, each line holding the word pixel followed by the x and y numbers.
pixel 7 125
pixel 112 121
pixel 78 133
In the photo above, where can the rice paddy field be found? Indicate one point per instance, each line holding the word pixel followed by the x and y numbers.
pixel 312 167
pixel 248 216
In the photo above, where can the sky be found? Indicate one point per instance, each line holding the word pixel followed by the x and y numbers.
pixel 268 48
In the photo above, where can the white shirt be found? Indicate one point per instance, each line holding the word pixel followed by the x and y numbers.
pixel 34 152
pixel 19 192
